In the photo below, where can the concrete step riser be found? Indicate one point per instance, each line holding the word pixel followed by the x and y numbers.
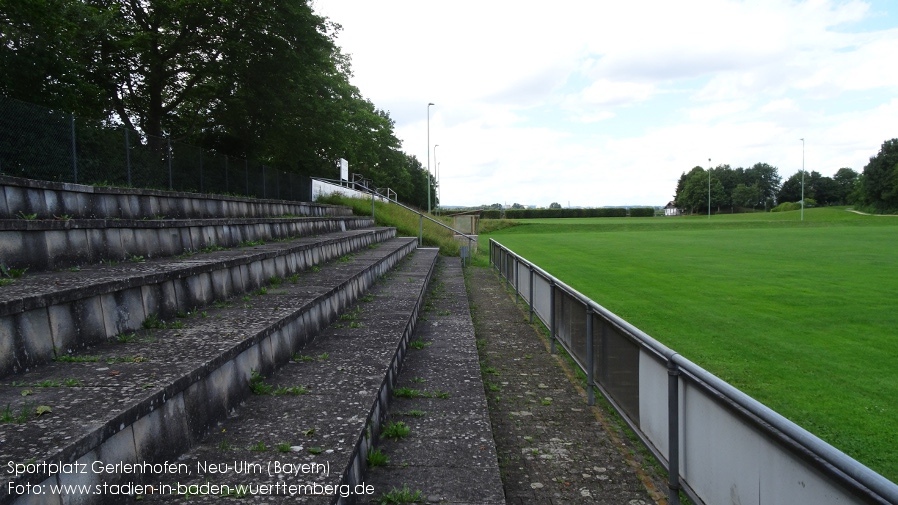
pixel 162 427
pixel 33 329
pixel 52 199
pixel 49 245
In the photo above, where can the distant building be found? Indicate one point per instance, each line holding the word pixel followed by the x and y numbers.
pixel 671 210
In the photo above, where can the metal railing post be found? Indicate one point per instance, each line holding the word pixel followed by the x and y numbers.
pixel 552 314
pixel 420 230
pixel 372 205
pixel 530 267
pixel 590 391
pixel 517 288
pixel 673 432
pixel 168 143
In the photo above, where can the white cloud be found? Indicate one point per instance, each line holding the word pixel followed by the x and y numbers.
pixel 606 103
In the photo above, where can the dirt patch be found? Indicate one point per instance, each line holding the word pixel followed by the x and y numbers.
pixel 552 446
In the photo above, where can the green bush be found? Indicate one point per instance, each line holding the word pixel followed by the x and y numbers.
pixel 642 212
pixel 491 214
pixel 786 206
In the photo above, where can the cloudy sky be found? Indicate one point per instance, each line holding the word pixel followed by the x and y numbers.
pixel 601 102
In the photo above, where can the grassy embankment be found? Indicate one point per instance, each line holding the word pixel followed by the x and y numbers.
pixel 406 223
pixel 803 316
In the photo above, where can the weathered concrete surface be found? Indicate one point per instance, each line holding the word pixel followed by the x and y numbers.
pixel 346 372
pixel 38 245
pixel 552 446
pixel 167 387
pixel 49 200
pixel 53 313
pixel 449 455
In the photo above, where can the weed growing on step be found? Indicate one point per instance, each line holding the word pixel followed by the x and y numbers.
pixel 283 447
pixel 135 258
pixel 63 217
pixel 377 458
pixel 8 275
pixel 252 243
pixel 109 262
pixel 152 322
pixel 396 430
pixel 275 281
pixel 315 269
pixel 418 380
pixel 257 384
pixel 260 447
pixel 212 248
pixel 293 278
pixel 413 413
pixel 261 291
pixel 9 416
pixel 224 445
pixel 222 304
pixel 302 357
pixel 315 450
pixel 490 370
pixel 309 432
pixel 492 386
pixel 368 298
pixel 546 401
pixel 419 344
pixel 406 392
pixel 398 496
pixel 27 217
pixel 67 358
pixel 292 391
pixel 346 258
pixel 437 394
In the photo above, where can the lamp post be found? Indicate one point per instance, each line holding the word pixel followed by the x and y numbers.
pixel 802 179
pixel 436 175
pixel 709 188
pixel 428 157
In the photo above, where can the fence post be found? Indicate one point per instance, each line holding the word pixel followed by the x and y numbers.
pixel 590 358
pixel 74 153
pixel 673 431
pixel 552 315
pixel 170 187
pixel 127 154
pixel 517 288
pixel 530 267
pixel 420 230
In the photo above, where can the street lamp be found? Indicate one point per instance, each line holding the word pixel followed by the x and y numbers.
pixel 436 175
pixel 428 157
pixel 802 179
pixel 709 188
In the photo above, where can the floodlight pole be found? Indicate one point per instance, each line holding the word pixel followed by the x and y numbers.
pixel 428 157
pixel 436 170
pixel 709 188
pixel 802 179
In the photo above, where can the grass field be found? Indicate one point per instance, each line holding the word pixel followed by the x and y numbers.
pixel 802 316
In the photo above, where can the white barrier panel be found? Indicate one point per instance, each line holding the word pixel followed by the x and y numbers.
pixel 322 188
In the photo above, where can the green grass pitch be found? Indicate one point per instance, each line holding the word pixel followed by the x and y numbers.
pixel 802 316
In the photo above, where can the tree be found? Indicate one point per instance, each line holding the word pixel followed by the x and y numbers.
pixel 791 189
pixel 766 178
pixel 845 180
pixel 517 206
pixel 880 181
pixel 692 189
pixel 554 205
pixel 745 196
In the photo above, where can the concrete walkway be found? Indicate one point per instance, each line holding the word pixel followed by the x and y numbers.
pixel 448 455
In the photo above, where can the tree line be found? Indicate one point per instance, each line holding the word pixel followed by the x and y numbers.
pixel 761 187
pixel 261 80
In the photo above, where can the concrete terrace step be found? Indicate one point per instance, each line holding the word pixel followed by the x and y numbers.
pixel 147 398
pixel 449 455
pixel 50 200
pixel 348 373
pixel 52 313
pixel 47 245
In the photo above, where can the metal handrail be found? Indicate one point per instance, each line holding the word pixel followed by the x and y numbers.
pixel 364 189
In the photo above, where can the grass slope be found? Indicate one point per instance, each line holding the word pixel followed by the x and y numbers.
pixel 800 315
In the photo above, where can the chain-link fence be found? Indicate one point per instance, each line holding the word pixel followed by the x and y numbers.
pixel 39 143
